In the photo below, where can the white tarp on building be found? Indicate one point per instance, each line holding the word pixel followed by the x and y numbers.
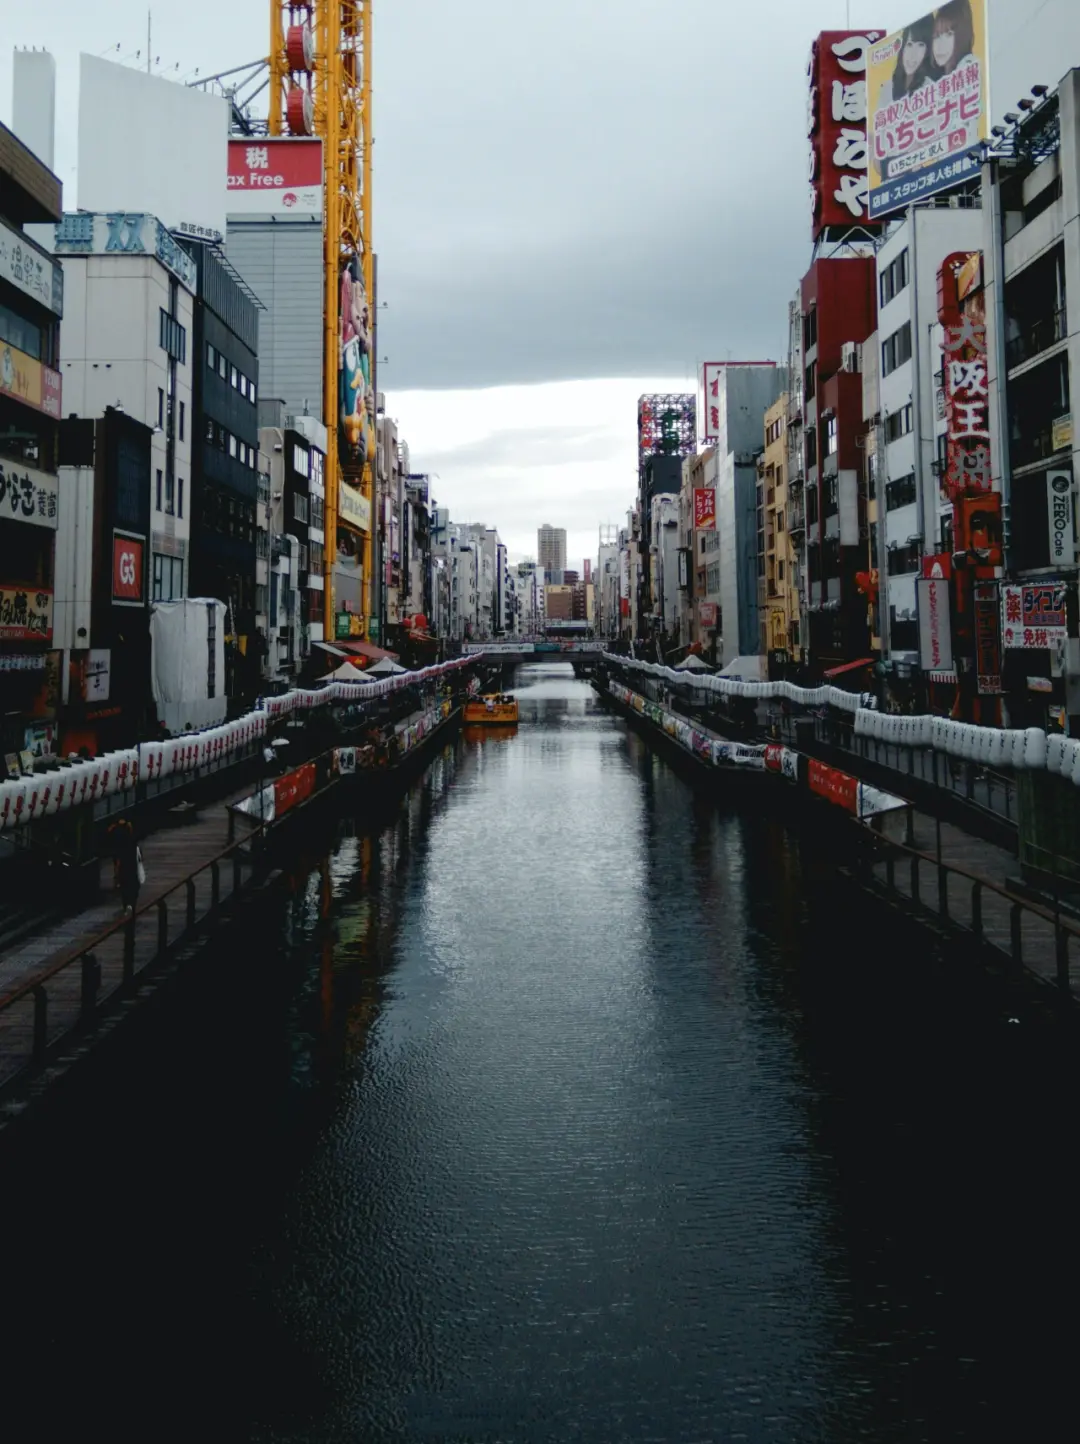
pixel 187 673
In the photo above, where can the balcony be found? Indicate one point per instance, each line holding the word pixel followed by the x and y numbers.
pixel 1042 441
pixel 796 516
pixel 1035 339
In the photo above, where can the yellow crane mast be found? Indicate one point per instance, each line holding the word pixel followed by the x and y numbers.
pixel 320 84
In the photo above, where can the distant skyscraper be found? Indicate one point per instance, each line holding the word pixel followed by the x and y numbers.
pixel 551 549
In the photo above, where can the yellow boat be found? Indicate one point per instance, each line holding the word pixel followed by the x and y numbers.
pixel 494 710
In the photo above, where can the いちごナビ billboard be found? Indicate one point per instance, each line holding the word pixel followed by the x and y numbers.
pixel 928 90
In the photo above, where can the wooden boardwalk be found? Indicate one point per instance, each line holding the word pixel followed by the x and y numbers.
pixel 168 907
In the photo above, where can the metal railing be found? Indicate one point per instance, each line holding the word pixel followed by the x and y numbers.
pixel 1047 331
pixel 1031 937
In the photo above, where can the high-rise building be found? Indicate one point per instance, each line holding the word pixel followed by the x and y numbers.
pixel 551 549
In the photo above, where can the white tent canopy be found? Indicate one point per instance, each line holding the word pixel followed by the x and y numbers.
pixel 693 663
pixel 385 667
pixel 346 673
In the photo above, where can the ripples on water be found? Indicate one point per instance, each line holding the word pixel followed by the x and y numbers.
pixel 568 1105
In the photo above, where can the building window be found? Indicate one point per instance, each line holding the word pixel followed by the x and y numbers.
pixel 169 506
pixel 168 578
pixel 811 447
pixel 900 492
pixel 315 554
pixel 896 349
pixel 251 392
pixel 173 337
pixel 301 460
pixel 317 511
pixel 180 496
pixel 894 278
pixel 831 438
pixel 211 356
pixel 222 367
pixel 234 379
pixel 159 488
pixel 232 444
pixel 260 597
pixel 902 560
pixel 302 557
pixel 181 421
pixel 898 423
pixel 160 407
pixel 300 506
pixel 810 328
pixel 811 381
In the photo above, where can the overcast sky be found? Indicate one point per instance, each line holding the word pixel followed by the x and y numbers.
pixel 602 192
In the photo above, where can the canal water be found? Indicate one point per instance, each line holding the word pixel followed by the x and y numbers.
pixel 562 1101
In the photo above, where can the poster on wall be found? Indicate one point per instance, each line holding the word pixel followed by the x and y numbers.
pixel 927 87
pixel 355 396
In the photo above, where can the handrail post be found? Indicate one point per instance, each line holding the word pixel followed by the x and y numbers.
pixel 129 951
pixel 41 1024
pixel 1016 927
pixel 215 884
pixel 976 910
pixel 162 927
pixel 1062 955
pixel 915 880
pixel 237 876
pixel 90 982
pixel 189 920
pixel 943 890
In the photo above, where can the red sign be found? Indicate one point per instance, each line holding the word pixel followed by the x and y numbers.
pixel 839 150
pixel 774 757
pixel 707 613
pixel 937 566
pixel 295 787
pixel 270 173
pixel 835 786
pixel 127 568
pixel 704 508
pixel 987 638
pixel 967 384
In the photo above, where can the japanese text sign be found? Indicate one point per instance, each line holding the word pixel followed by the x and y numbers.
pixel 935 629
pixel 928 96
pixel 1033 617
pixel 28 495
pixel 30 270
pixel 25 614
pixel 839 150
pixel 987 614
pixel 967 408
pixel 704 508
pixel 29 381
pixel 274 174
pixel 710 423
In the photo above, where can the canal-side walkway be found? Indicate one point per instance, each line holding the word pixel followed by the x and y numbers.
pixel 182 888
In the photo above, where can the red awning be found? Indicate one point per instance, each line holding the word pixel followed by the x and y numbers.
pixel 366 649
pixel 850 667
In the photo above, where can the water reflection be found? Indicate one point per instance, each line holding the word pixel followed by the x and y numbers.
pixel 564 1101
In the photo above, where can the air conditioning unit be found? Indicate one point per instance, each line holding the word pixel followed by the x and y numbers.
pixel 850 356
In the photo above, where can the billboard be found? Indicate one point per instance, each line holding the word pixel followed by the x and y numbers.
pixel 1033 617
pixel 25 614
pixel 28 495
pixel 274 175
pixel 987 623
pixel 929 105
pixel 839 150
pixel 27 268
pixel 704 508
pixel 28 381
pixel 667 426
pixel 127 569
pixel 710 386
pixel 151 145
pixel 935 626
pixel 355 396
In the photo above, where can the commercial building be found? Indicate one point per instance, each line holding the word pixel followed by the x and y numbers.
pixel 744 394
pixel 551 549
pixel 837 313
pixel 31 501
pixel 224 463
pixel 127 340
pixel 778 595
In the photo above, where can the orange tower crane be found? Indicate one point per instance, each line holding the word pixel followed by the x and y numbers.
pixel 320 85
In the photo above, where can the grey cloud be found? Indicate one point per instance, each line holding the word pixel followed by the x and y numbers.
pixel 525 448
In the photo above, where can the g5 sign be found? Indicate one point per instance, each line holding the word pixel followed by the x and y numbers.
pixel 127 569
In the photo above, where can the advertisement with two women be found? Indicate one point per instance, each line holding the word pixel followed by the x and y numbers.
pixel 928 94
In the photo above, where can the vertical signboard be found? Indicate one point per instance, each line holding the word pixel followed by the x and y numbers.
pixel 710 386
pixel 839 147
pixel 704 508
pixel 967 387
pixel 1033 616
pixel 987 620
pixel 355 396
pixel 928 93
pixel 1059 508
pixel 935 631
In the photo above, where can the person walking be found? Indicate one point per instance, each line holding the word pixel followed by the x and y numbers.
pixel 130 868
